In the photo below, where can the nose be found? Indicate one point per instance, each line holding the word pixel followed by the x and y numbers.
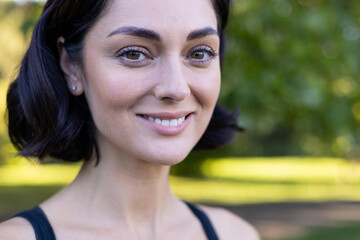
pixel 172 83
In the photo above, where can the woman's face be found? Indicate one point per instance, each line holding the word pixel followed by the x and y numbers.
pixel 152 77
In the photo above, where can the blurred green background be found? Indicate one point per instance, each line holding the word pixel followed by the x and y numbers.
pixel 292 68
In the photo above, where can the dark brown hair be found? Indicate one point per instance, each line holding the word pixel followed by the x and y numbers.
pixel 44 118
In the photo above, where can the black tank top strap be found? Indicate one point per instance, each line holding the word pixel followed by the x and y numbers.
pixel 44 231
pixel 39 222
pixel 205 222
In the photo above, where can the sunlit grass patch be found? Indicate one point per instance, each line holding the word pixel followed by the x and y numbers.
pixel 229 181
pixel 229 192
pixel 35 174
pixel 284 169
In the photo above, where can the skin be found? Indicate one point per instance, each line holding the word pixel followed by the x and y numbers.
pixel 124 77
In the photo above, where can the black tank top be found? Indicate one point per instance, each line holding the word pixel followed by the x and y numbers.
pixel 44 231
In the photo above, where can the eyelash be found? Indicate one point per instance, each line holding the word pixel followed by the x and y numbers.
pixel 147 55
pixel 121 55
pixel 212 54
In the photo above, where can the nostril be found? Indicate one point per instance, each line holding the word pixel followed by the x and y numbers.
pixel 172 90
pixel 168 99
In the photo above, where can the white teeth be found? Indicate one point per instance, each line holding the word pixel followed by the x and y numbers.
pixel 166 122
pixel 173 123
pixel 180 120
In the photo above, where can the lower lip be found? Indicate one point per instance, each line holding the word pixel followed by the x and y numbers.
pixel 168 131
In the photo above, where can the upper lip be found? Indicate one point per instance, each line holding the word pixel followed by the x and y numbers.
pixel 166 115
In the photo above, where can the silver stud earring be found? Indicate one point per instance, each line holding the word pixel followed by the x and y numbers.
pixel 73 88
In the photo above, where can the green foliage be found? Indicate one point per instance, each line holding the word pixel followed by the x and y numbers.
pixel 292 67
pixel 16 23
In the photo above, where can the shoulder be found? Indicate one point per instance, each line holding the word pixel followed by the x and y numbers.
pixel 230 226
pixel 16 229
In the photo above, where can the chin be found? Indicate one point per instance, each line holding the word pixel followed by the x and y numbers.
pixel 170 161
pixel 168 158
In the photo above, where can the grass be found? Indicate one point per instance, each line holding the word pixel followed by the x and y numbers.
pixel 345 231
pixel 16 198
pixel 253 180
pixel 285 169
pixel 245 180
pixel 32 174
pixel 228 181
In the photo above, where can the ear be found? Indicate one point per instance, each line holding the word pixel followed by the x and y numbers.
pixel 71 69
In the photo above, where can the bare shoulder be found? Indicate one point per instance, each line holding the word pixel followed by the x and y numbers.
pixel 16 229
pixel 230 226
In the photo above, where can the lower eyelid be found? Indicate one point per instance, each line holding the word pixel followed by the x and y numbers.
pixel 135 62
pixel 201 62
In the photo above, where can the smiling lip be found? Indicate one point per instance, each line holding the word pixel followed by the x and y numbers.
pixel 167 123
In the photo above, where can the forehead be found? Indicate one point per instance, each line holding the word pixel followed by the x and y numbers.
pixel 164 16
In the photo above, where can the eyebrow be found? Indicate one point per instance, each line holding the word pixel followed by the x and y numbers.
pixel 139 32
pixel 199 33
pixel 149 34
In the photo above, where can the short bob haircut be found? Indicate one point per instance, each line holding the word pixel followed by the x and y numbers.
pixel 45 119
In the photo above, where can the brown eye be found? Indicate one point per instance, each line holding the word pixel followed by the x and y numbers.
pixel 201 56
pixel 133 55
pixel 198 55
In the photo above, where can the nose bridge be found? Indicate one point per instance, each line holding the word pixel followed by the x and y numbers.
pixel 172 82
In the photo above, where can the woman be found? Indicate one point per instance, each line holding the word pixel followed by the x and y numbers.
pixel 129 86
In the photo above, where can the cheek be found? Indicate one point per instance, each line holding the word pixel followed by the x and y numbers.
pixel 108 87
pixel 107 84
pixel 206 88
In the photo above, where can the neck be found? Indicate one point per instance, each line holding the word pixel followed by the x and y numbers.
pixel 136 189
pixel 137 195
